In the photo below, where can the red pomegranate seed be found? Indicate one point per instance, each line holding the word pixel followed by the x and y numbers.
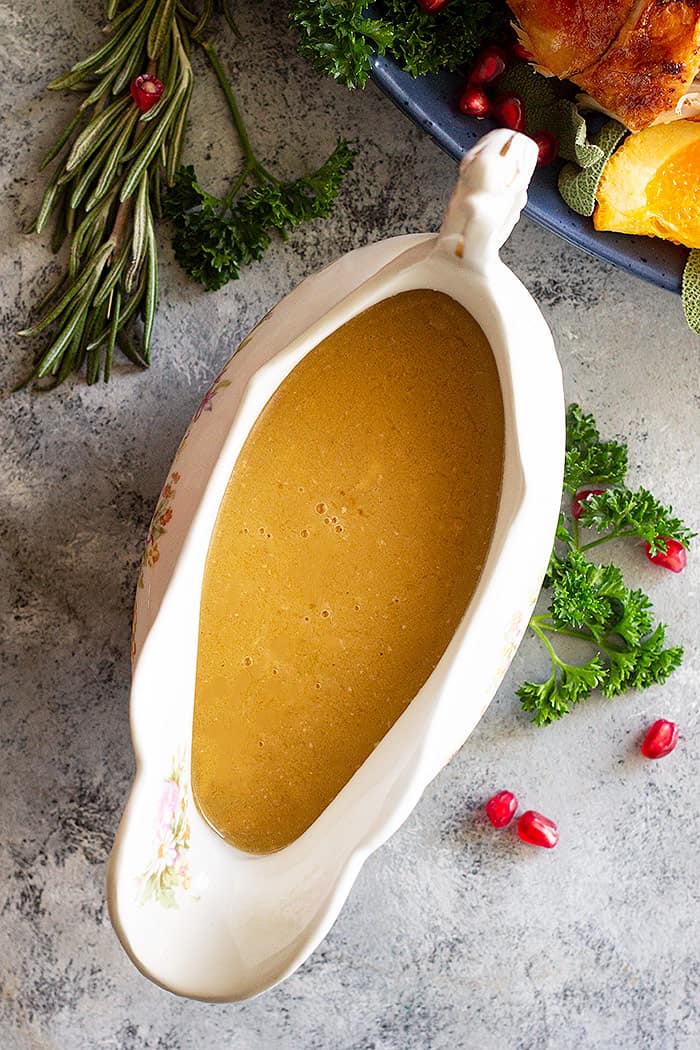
pixel 521 53
pixel 501 808
pixel 509 113
pixel 537 830
pixel 673 558
pixel 581 497
pixel 475 103
pixel 431 7
pixel 145 91
pixel 660 740
pixel 489 65
pixel 547 147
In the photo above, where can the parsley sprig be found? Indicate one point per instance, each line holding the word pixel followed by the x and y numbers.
pixel 340 36
pixel 620 512
pixel 216 236
pixel 588 459
pixel 592 603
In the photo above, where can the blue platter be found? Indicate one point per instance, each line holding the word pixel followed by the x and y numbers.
pixel 430 102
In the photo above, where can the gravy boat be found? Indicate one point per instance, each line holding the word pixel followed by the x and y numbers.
pixel 195 914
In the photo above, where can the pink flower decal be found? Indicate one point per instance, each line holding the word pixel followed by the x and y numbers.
pixel 168 872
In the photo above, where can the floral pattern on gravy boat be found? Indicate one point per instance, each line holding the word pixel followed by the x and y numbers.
pixel 196 915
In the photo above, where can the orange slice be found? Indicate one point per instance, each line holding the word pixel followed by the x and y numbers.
pixel 651 185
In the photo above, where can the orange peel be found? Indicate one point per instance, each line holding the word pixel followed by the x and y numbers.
pixel 651 185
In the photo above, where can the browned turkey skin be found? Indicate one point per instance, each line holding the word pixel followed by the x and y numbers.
pixel 636 59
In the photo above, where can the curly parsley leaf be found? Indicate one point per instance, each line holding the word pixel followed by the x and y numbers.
pixel 429 43
pixel 211 246
pixel 339 37
pixel 591 603
pixel 215 238
pixel 588 459
pixel 634 621
pixel 567 685
pixel 581 428
pixel 623 512
pixel 583 594
pixel 640 666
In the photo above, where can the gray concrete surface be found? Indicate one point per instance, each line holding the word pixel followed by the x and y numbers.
pixel 454 936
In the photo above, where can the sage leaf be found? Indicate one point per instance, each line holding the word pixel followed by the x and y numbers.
pixel 691 290
pixel 578 186
pixel 546 110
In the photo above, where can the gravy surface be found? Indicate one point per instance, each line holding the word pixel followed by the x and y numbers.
pixel 348 544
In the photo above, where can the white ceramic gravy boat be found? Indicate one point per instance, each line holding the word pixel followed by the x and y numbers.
pixel 196 915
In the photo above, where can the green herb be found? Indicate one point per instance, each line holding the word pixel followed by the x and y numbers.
pixel 620 512
pixel 214 237
pixel 114 161
pixel 592 603
pixel 340 36
pixel 588 459
pixel 103 195
pixel 691 290
pixel 546 110
pixel 578 185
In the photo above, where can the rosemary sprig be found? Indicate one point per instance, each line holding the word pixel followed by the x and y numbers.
pixel 113 161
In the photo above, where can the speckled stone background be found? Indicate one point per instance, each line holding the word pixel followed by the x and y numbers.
pixel 454 936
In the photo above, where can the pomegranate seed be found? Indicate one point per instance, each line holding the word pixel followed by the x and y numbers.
pixel 145 91
pixel 509 113
pixel 672 558
pixel 431 7
pixel 474 102
pixel 521 53
pixel 581 497
pixel 537 830
pixel 660 740
pixel 501 808
pixel 547 147
pixel 489 65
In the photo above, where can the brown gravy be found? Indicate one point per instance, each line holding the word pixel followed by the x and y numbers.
pixel 348 544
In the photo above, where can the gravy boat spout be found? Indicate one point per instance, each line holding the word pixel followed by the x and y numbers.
pixel 195 914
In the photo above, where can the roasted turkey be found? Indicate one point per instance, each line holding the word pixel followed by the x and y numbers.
pixel 637 61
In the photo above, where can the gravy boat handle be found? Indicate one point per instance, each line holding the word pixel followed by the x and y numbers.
pixel 487 201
